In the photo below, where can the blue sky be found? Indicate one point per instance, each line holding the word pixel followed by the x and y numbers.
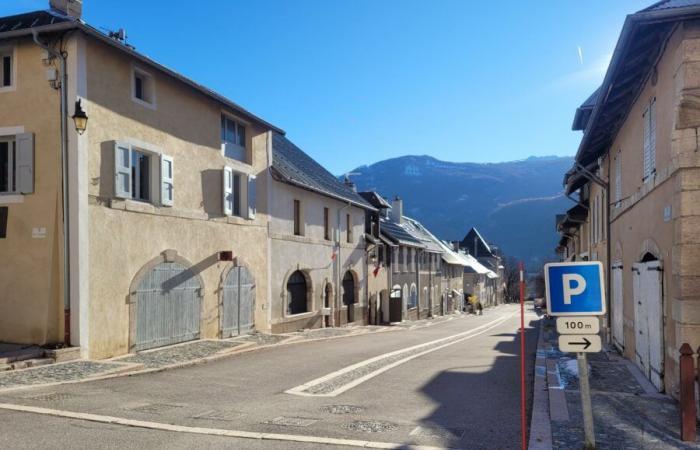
pixel 357 81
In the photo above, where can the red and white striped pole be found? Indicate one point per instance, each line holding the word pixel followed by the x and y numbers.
pixel 523 420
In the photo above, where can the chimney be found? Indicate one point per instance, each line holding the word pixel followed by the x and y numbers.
pixel 350 184
pixel 72 8
pixel 397 210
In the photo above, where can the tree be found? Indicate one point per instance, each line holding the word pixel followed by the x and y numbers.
pixel 511 279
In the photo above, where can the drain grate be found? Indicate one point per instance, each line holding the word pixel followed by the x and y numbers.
pixel 370 426
pixel 51 397
pixel 154 408
pixel 438 432
pixel 215 414
pixel 292 421
pixel 343 409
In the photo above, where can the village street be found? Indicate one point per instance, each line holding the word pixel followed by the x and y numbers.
pixel 460 388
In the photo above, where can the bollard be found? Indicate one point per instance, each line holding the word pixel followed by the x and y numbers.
pixel 688 407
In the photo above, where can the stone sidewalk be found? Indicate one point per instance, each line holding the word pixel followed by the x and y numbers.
pixel 628 413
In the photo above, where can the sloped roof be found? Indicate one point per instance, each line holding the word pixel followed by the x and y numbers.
pixel 473 265
pixel 291 165
pixel 49 21
pixel 375 199
pixel 476 244
pixel 430 242
pixel 671 4
pixel 583 112
pixel 642 40
pixel 397 233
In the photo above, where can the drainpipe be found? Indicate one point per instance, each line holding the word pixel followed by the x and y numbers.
pixel 61 56
pixel 590 176
pixel 418 267
pixel 338 268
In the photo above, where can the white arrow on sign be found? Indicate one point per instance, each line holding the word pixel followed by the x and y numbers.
pixel 588 343
pixel 578 325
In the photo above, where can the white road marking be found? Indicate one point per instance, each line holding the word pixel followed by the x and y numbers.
pixel 300 390
pixel 208 431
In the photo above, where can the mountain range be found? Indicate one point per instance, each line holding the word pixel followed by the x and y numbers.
pixel 512 204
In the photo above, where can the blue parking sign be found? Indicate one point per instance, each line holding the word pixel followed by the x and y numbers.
pixel 575 288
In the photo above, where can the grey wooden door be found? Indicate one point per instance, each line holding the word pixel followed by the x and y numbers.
pixel 167 307
pixel 238 303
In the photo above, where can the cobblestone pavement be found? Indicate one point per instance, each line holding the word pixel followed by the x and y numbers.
pixel 626 414
pixel 180 353
pixel 70 371
pixel 261 338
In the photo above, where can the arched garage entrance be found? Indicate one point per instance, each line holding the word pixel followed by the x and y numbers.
pixel 648 318
pixel 238 302
pixel 349 299
pixel 167 306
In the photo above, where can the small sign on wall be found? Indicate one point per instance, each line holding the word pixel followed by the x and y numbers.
pixel 38 232
pixel 667 213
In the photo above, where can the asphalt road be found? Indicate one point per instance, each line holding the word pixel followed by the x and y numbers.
pixel 461 391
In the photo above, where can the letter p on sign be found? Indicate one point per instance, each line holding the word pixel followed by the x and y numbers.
pixel 573 284
pixel 575 288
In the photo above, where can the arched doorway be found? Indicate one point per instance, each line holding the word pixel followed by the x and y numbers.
pixel 238 302
pixel 327 299
pixel 349 299
pixel 647 280
pixel 413 297
pixel 168 305
pixel 297 290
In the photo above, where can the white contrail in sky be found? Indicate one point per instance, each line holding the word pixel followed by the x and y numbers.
pixel 580 54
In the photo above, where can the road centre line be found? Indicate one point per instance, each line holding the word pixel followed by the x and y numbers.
pixel 208 431
pixel 303 389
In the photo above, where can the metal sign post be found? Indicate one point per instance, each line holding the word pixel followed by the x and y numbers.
pixel 576 292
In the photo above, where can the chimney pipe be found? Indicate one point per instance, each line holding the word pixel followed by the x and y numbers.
pixel 72 8
pixel 397 210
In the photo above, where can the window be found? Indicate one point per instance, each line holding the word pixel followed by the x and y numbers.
pixel 413 297
pixel 297 294
pixel 348 225
pixel 143 88
pixel 17 164
pixel 239 194
pixel 618 177
pixel 650 139
pixel 326 224
pixel 8 171
pixel 6 72
pixel 233 139
pixel 297 218
pixel 143 175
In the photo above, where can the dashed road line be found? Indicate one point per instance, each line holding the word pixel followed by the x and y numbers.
pixel 351 376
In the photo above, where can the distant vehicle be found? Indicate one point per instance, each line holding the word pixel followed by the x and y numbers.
pixel 540 303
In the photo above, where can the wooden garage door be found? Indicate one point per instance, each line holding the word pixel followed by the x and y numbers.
pixel 167 306
pixel 238 303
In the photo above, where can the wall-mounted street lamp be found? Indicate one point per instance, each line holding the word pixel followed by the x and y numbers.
pixel 80 118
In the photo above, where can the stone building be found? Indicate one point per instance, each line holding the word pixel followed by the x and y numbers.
pixel 318 253
pixel 636 174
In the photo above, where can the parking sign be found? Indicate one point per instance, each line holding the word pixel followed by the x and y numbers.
pixel 575 288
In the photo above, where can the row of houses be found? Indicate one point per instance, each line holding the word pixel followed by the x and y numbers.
pixel 635 184
pixel 139 209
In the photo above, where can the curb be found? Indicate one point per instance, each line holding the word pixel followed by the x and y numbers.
pixel 540 424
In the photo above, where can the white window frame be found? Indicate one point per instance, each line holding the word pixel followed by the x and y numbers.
pixel 223 124
pixel 156 176
pixel 12 53
pixel 150 86
pixel 153 176
pixel 11 169
pixel 240 191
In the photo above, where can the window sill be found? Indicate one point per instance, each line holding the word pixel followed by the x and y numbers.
pixel 144 103
pixel 8 89
pixel 11 199
pixel 299 315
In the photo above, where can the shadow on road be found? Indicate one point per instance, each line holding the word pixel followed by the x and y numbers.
pixel 478 405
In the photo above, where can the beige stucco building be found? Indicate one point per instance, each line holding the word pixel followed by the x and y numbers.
pixel 318 262
pixel 166 177
pixel 640 141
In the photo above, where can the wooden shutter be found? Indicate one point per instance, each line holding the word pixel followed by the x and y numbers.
pixel 122 170
pixel 252 196
pixel 652 136
pixel 25 163
pixel 167 187
pixel 618 177
pixel 228 191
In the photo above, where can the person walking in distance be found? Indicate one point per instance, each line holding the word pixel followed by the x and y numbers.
pixel 479 308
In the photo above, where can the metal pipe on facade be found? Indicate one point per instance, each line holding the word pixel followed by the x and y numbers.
pixel 64 175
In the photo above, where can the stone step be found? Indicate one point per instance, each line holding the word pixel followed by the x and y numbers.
pixel 35 362
pixel 21 355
